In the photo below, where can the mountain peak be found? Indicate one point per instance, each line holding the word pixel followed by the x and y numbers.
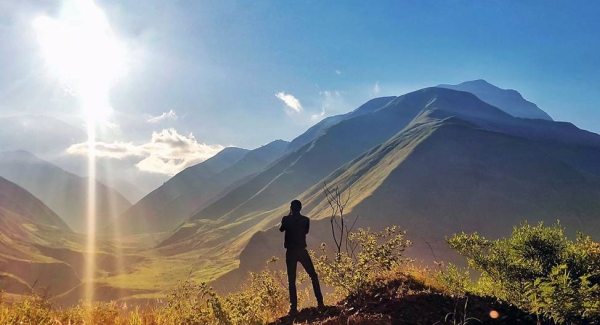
pixel 508 100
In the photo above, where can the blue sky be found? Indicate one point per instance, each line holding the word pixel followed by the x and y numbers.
pixel 215 68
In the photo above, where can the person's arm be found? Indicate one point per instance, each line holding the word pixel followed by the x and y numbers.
pixel 282 227
pixel 307 224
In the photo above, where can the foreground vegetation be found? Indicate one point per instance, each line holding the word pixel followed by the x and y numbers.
pixel 535 276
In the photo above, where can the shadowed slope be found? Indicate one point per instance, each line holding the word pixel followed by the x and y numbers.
pixel 320 128
pixel 172 202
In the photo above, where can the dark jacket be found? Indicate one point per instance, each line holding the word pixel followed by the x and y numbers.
pixel 296 227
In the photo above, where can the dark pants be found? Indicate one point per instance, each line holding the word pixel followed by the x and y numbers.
pixel 292 257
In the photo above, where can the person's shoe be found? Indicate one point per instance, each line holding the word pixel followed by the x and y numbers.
pixel 293 311
pixel 321 306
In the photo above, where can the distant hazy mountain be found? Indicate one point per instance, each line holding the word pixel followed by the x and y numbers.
pixel 507 100
pixel 39 134
pixel 27 207
pixel 63 192
pixel 176 199
pixel 24 223
pixel 191 189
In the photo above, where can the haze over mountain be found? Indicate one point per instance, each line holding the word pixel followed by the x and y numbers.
pixel 42 135
pixel 191 189
pixel 508 100
pixel 25 222
pixel 64 192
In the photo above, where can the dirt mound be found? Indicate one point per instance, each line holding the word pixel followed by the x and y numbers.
pixel 405 301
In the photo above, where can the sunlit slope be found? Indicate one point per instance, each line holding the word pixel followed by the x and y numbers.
pixel 342 142
pixel 63 192
pixel 440 177
pixel 191 189
pixel 508 100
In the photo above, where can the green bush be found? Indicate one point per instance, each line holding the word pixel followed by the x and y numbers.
pixel 193 304
pixel 538 269
pixel 260 301
pixel 370 256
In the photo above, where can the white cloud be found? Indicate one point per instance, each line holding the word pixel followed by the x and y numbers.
pixel 376 88
pixel 291 101
pixel 170 115
pixel 168 152
pixel 332 102
pixel 338 72
pixel 318 116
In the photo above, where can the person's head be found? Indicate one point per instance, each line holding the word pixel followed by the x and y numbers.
pixel 296 206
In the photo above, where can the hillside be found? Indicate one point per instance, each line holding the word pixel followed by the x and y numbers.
pixel 25 222
pixel 444 176
pixel 63 192
pixel 188 191
pixel 342 142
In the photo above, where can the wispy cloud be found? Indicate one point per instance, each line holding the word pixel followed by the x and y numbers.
pixel 291 101
pixel 376 89
pixel 168 152
pixel 338 72
pixel 170 115
pixel 318 116
pixel 331 101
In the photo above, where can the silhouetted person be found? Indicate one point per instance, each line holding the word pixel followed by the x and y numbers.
pixel 296 227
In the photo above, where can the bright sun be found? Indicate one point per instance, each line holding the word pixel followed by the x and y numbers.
pixel 81 49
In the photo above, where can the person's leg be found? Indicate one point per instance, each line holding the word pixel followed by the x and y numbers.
pixel 307 263
pixel 291 262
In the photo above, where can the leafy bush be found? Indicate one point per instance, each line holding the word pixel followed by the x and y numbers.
pixel 194 304
pixel 454 281
pixel 538 269
pixel 260 301
pixel 372 255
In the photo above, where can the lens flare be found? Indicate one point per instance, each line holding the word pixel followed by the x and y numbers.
pixel 80 48
pixel 494 314
pixel 83 52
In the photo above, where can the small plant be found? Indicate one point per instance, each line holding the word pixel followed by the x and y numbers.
pixel 455 318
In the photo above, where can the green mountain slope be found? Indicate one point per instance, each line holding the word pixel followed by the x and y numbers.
pixel 440 177
pixel 342 142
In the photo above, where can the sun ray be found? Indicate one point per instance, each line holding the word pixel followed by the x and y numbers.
pixel 82 51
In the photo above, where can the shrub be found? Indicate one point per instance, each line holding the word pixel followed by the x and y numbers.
pixel 260 301
pixel 538 269
pixel 373 254
pixel 193 304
